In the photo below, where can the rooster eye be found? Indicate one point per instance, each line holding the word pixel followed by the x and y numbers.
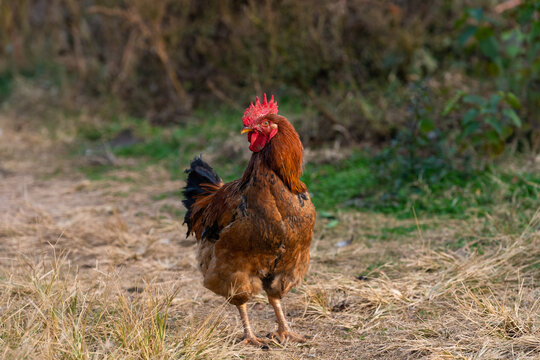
pixel 265 123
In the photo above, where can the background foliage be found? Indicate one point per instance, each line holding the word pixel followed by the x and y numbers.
pixel 439 89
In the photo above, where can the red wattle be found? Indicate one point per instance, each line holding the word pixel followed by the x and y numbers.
pixel 257 141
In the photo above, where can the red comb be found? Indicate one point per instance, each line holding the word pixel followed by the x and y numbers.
pixel 254 112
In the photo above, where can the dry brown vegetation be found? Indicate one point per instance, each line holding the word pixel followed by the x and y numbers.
pixel 161 58
pixel 102 269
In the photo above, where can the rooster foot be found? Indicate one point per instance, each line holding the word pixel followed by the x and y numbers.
pixel 285 335
pixel 255 341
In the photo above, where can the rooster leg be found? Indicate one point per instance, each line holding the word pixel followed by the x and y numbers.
pixel 284 332
pixel 249 336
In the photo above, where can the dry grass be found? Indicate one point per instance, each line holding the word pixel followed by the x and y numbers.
pixel 49 312
pixel 99 270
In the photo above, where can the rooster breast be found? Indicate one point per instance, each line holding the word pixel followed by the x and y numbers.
pixel 290 246
pixel 267 242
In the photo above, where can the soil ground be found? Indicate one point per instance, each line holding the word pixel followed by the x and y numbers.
pixel 118 247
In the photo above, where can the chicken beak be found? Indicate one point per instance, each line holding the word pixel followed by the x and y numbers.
pixel 246 130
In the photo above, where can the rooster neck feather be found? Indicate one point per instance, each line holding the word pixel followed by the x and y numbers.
pixel 283 155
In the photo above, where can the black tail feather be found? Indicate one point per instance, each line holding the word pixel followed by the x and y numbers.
pixel 199 173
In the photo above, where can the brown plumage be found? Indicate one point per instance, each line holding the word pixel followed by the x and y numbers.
pixel 254 233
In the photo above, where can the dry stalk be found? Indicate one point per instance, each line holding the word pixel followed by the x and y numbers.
pixel 150 32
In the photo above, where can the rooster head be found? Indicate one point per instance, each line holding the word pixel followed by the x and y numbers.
pixel 259 129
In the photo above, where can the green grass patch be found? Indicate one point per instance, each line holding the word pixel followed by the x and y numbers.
pixel 362 181
pixel 6 84
pixel 356 183
pixel 333 184
pixel 172 146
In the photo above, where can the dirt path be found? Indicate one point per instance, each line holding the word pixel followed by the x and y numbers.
pixel 46 204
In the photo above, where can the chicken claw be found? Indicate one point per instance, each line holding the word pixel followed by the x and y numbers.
pixel 284 332
pixel 255 341
pixel 286 335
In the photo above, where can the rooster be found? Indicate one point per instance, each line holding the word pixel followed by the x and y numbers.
pixel 255 232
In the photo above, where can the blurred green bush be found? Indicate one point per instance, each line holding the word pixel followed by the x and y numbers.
pixel 506 52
